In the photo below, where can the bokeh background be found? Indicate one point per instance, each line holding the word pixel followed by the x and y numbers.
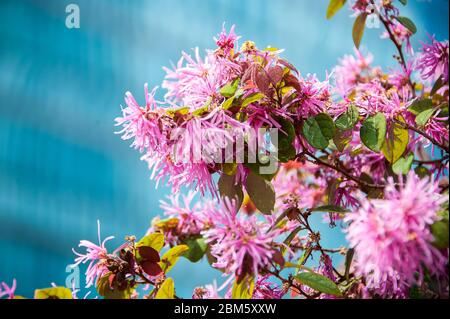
pixel 61 165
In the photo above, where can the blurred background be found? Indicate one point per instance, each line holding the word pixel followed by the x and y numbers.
pixel 61 165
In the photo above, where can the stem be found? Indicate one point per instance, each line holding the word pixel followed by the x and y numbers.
pixel 398 46
pixel 341 170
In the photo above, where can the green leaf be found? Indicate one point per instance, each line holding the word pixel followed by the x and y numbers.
pixel 286 150
pixel 291 236
pixel 333 7
pixel 329 208
pixel 396 141
pixel 264 161
pixel 170 258
pixel 348 119
pixel 422 171
pixel 404 2
pixel 358 28
pixel 228 103
pixel 104 289
pixel 407 23
pixel 403 165
pixel 318 130
pixel 228 188
pixel 230 89
pixel 437 85
pixel 261 193
pixel 373 132
pixel 53 293
pixel 318 282
pixel 252 98
pixel 243 288
pixel 440 230
pixel 348 261
pixel 418 106
pixel 197 248
pixel 155 240
pixel 167 290
pixel 287 128
pixel 423 117
pixel 229 169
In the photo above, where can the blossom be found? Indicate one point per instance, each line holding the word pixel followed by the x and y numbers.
pixel 226 41
pixel 432 61
pixel 8 291
pixel 146 125
pixel 191 217
pixel 95 255
pixel 264 289
pixel 195 80
pixel 241 244
pixel 209 291
pixel 392 239
pixel 354 69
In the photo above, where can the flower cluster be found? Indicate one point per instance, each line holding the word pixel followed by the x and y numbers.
pixel 392 236
pixel 264 148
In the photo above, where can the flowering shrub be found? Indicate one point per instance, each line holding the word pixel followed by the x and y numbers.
pixel 368 149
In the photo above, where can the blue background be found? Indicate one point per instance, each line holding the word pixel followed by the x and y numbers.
pixel 61 165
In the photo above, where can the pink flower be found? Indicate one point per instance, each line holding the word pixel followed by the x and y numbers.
pixel 265 289
pixel 392 239
pixel 241 244
pixel 353 70
pixel 195 81
pixel 7 291
pixel 96 256
pixel 192 217
pixel 207 292
pixel 226 41
pixel 433 60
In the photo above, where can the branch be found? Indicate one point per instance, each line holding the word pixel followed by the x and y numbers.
pixel 341 170
pixel 424 134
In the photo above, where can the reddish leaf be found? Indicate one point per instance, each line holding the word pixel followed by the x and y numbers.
pixel 149 254
pixel 278 258
pixel 288 65
pixel 261 80
pixel 291 80
pixel 276 74
pixel 151 268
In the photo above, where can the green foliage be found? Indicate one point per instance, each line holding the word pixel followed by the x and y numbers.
pixel 373 131
pixel 329 208
pixel 423 117
pixel 53 293
pixel 108 291
pixel 358 28
pixel 286 150
pixel 167 290
pixel 334 6
pixel 319 282
pixel 154 240
pixel 230 89
pixel 243 288
pixel 319 130
pixel 420 105
pixel 407 23
pixel 261 193
pixel 228 188
pixel 170 257
pixel 252 98
pixel 403 165
pixel 197 248
pixel 396 141
pixel 348 119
